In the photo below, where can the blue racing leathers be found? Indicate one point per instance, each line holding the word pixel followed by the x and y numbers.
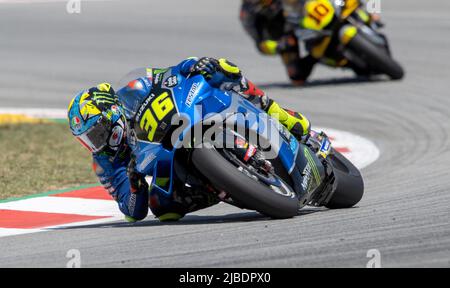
pixel 112 172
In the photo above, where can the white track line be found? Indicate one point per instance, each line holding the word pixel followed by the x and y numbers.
pixel 5 232
pixel 36 112
pixel 65 205
pixel 363 152
pixel 46 1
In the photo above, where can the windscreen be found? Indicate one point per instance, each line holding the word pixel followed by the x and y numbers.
pixel 127 96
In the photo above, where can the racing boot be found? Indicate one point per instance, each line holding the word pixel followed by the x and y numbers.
pixel 295 122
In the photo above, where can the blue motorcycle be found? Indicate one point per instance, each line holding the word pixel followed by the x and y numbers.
pixel 186 129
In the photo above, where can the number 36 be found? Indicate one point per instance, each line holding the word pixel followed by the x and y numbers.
pixel 160 107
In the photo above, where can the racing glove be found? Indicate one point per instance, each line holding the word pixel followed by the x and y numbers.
pixel 220 70
pixel 268 47
pixel 287 43
pixel 137 180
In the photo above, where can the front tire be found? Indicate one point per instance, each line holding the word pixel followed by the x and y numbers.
pixel 226 177
pixel 376 57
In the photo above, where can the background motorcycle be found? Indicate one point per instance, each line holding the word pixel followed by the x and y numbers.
pixel 341 34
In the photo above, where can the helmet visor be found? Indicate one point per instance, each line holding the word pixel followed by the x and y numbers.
pixel 95 139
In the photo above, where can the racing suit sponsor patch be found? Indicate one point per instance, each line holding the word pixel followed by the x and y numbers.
pixel 170 82
pixel 192 93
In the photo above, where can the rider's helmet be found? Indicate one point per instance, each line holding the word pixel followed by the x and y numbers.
pixel 97 120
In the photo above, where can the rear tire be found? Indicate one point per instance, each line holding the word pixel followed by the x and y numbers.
pixel 225 176
pixel 350 185
pixel 376 57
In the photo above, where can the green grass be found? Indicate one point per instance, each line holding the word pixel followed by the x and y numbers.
pixel 36 158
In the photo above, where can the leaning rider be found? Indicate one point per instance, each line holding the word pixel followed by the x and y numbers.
pixel 265 21
pixel 272 25
pixel 97 119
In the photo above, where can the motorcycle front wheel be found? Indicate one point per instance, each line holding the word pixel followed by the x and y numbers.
pixel 243 187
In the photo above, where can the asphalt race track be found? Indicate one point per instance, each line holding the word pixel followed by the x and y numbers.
pixel 47 55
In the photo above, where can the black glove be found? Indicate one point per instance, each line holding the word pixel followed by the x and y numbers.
pixel 137 180
pixel 206 66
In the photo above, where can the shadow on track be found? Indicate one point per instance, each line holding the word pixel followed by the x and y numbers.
pixel 193 220
pixel 324 82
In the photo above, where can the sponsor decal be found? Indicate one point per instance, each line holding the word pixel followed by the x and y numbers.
pixel 132 137
pixel 116 136
pixel 307 173
pixel 158 78
pixel 146 161
pixel 147 81
pixel 250 152
pixel 192 93
pixel 132 203
pixel 325 146
pixel 143 106
pixel 172 81
pixel 76 122
pixel 313 166
pixel 293 143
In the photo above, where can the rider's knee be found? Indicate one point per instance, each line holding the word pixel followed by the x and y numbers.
pixel 170 217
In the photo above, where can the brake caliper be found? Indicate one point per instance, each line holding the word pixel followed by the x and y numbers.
pixel 249 153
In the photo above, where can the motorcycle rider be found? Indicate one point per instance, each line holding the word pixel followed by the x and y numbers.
pixel 97 119
pixel 265 22
pixel 271 24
